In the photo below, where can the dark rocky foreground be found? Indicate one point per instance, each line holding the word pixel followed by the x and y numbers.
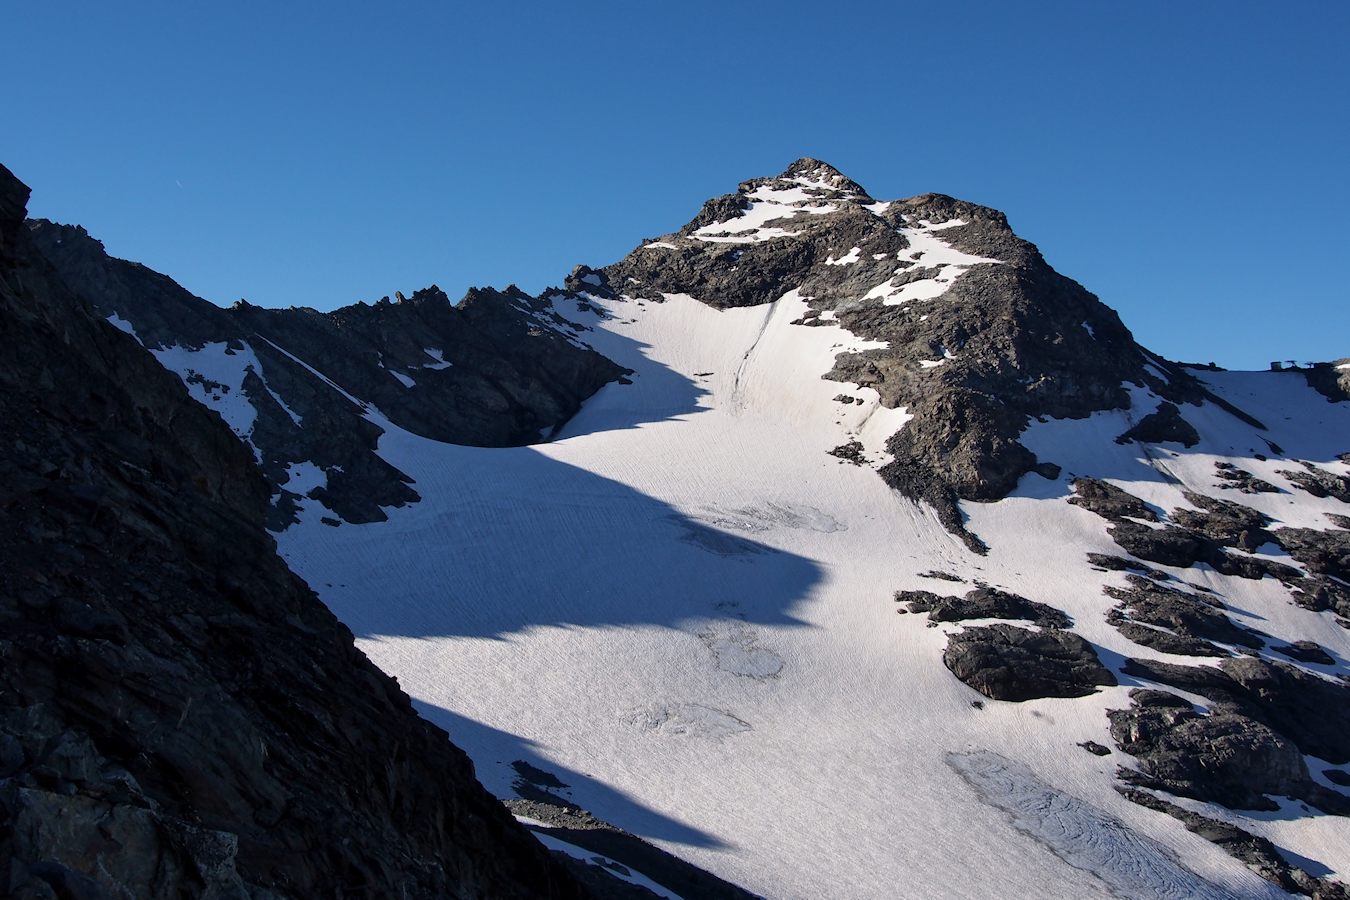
pixel 179 714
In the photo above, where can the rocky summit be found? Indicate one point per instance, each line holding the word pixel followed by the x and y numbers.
pixel 802 552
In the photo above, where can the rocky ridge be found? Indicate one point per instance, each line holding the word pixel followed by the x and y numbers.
pixel 497 369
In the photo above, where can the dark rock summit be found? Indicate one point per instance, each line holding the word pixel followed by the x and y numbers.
pixel 179 714
pixel 1015 339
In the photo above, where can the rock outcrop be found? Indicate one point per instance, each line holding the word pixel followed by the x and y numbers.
pixel 1005 662
pixel 983 603
pixel 1312 712
pixel 179 714
pixel 1223 757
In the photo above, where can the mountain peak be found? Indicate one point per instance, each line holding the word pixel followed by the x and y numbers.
pixel 817 177
pixel 810 167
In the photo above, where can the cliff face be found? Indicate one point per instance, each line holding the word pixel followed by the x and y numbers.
pixel 179 714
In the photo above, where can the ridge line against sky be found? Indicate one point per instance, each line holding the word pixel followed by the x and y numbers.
pixel 1187 165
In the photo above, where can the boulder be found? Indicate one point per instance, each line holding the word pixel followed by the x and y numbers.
pixel 1005 662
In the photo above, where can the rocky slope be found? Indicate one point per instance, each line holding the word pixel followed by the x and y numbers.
pixel 179 714
pixel 494 370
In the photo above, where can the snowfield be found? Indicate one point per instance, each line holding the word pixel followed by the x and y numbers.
pixel 681 607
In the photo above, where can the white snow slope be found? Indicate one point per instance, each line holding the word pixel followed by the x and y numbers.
pixel 682 607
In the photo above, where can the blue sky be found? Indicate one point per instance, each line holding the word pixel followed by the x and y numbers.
pixel 1186 162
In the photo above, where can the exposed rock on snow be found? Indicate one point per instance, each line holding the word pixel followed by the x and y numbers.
pixel 1192 620
pixel 1109 501
pixel 1237 479
pixel 1257 853
pixel 1224 522
pixel 1110 563
pixel 1311 711
pixel 1223 757
pixel 1009 663
pixel 1163 425
pixel 983 603
pixel 1322 552
pixel 1306 651
pixel 1320 482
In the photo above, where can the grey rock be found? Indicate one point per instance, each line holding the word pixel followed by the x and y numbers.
pixel 1110 502
pixel 1198 617
pixel 983 603
pixel 1325 553
pixel 1306 651
pixel 1237 479
pixel 1311 711
pixel 1122 564
pixel 1257 853
pixel 1320 482
pixel 1318 593
pixel 1224 522
pixel 1222 757
pixel 1004 662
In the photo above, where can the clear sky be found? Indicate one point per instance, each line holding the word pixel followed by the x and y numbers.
pixel 1188 162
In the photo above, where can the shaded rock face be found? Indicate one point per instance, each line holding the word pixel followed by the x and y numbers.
pixel 1222 757
pixel 1312 712
pixel 941 280
pixel 1330 380
pixel 1005 662
pixel 498 369
pixel 1161 426
pixel 179 714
